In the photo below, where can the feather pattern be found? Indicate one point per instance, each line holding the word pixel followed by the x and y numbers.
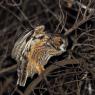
pixel 33 51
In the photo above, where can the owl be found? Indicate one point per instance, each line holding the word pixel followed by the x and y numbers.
pixel 33 51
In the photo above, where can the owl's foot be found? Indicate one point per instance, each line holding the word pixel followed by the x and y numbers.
pixel 40 69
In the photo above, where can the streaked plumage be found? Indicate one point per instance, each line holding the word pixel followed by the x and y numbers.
pixel 33 51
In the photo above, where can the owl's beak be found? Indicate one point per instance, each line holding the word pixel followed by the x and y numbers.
pixel 62 48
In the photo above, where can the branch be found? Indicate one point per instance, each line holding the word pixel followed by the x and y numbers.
pixel 34 83
pixel 8 69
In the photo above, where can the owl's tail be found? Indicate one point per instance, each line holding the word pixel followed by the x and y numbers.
pixel 22 76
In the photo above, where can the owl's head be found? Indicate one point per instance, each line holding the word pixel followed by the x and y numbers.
pixel 58 42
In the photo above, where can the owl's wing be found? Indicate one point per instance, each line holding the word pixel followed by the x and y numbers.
pixel 21 46
pixel 18 53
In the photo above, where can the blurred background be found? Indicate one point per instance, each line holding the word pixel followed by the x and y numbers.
pixel 73 72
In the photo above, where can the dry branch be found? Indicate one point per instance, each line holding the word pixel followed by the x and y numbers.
pixel 8 70
pixel 33 84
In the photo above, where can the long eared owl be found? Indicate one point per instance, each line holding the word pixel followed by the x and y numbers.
pixel 32 52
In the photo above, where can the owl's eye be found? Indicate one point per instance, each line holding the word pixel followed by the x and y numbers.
pixel 60 41
pixel 40 36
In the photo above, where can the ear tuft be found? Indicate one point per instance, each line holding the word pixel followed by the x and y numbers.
pixel 40 28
